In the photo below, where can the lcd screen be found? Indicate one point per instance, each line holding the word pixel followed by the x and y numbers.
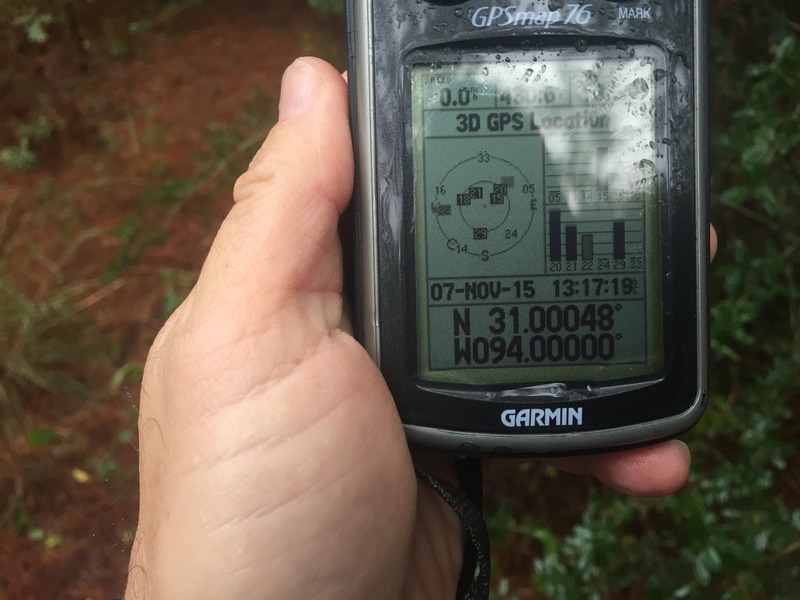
pixel 538 191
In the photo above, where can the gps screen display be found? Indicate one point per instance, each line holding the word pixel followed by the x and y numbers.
pixel 537 217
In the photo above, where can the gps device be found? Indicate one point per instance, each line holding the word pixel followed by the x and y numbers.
pixel 531 215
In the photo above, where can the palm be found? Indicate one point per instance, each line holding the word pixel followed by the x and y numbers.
pixel 290 420
pixel 307 448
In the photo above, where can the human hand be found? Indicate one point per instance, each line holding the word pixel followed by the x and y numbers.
pixel 273 462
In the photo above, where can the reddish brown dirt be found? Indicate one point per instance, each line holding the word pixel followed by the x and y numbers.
pixel 121 124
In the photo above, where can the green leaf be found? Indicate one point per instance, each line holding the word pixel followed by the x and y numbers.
pixel 42 437
pixel 35 27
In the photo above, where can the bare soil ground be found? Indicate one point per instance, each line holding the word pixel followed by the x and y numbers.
pixel 131 97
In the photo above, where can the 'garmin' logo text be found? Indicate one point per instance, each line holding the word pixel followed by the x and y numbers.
pixel 542 417
pixel 508 16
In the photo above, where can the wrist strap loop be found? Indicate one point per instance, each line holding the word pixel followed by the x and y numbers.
pixel 467 502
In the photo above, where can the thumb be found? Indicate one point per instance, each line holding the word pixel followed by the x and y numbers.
pixel 280 239
pixel 271 287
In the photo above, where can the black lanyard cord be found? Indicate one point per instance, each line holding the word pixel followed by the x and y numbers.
pixel 467 502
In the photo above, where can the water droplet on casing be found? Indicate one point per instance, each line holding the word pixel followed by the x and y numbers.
pixel 459 12
pixel 660 74
pixel 554 5
pixel 581 45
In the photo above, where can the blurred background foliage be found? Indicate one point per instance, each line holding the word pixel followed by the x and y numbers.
pixel 734 532
pixel 74 327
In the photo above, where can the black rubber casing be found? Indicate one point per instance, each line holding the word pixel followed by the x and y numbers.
pixel 385 39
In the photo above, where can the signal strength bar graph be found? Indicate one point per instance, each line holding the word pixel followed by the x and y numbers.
pixel 570 238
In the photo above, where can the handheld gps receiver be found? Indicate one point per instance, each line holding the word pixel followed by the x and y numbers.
pixel 532 220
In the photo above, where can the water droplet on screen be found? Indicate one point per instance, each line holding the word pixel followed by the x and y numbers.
pixel 638 88
pixel 648 167
pixel 589 84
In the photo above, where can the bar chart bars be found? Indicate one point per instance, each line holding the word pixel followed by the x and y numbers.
pixel 600 234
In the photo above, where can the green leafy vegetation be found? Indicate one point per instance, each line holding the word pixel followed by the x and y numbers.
pixel 47 539
pixel 734 532
pixel 327 6
pixel 20 156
